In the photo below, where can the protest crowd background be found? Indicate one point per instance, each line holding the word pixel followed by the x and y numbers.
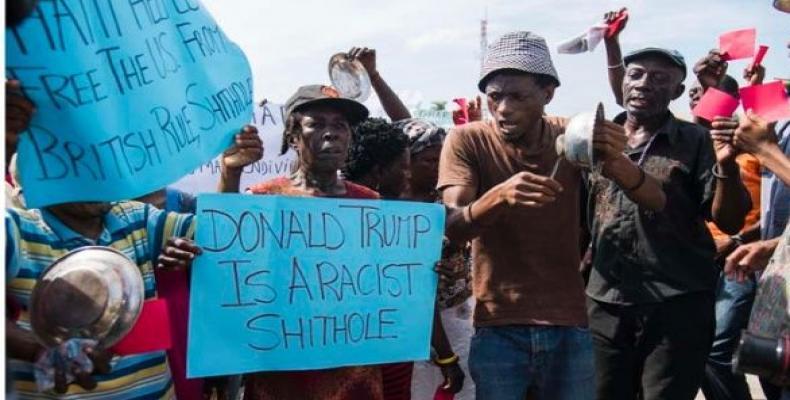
pixel 173 233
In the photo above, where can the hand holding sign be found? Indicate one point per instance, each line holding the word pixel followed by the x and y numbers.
pixel 178 254
pixel 739 44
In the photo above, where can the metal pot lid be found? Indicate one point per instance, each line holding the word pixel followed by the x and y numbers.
pixel 92 292
pixel 578 139
pixel 349 77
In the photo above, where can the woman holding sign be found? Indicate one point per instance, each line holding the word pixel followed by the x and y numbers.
pixel 318 128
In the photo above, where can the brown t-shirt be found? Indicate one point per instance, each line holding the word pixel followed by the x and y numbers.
pixel 526 265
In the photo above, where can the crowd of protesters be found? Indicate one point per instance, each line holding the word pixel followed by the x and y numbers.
pixel 630 280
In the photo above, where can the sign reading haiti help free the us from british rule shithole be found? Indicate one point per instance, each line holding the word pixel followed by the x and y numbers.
pixel 293 283
pixel 129 95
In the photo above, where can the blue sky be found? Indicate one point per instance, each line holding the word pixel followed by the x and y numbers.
pixel 429 50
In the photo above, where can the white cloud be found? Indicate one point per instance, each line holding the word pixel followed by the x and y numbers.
pixel 432 47
pixel 440 37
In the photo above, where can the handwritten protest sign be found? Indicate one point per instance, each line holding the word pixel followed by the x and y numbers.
pixel 130 96
pixel 289 283
pixel 269 119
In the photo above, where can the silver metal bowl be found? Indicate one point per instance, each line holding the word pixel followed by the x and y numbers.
pixel 578 139
pixel 92 292
pixel 349 77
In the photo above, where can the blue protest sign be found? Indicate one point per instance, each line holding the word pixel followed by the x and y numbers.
pixel 291 283
pixel 130 96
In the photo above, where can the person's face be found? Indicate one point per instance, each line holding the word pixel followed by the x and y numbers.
pixel 649 85
pixel 425 169
pixel 516 101
pixel 695 94
pixel 394 178
pixel 82 210
pixel 323 143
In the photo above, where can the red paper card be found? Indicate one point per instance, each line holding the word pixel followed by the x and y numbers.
pixel 758 59
pixel 464 111
pixel 715 103
pixel 616 24
pixel 442 394
pixel 738 44
pixel 768 101
pixel 150 333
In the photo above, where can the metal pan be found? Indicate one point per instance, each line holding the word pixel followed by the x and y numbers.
pixel 578 139
pixel 93 292
pixel 349 77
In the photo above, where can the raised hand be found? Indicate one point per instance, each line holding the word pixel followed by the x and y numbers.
pixel 754 74
pixel 723 133
pixel 475 110
pixel 366 56
pixel 711 69
pixel 247 148
pixel 611 16
pixel 753 133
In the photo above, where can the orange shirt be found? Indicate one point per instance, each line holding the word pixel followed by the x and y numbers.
pixel 750 175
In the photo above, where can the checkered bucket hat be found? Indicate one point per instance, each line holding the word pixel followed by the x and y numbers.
pixel 522 51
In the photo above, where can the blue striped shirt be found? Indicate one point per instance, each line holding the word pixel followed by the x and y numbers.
pixel 36 238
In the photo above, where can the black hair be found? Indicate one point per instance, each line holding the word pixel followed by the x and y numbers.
pixel 542 80
pixel 293 126
pixel 375 142
pixel 729 85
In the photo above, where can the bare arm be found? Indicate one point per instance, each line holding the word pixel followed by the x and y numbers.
pixel 615 68
pixel 609 141
pixel 614 57
pixel 772 158
pixel 390 101
pixel 757 136
pixel 731 201
pixel 469 216
pixel 645 190
pixel 751 233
